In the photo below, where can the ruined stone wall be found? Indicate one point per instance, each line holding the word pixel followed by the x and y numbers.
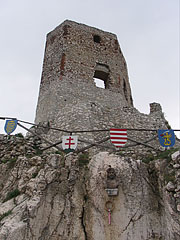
pixel 91 116
pixel 72 58
pixel 69 98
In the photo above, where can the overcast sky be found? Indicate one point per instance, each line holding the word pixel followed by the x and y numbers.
pixel 148 34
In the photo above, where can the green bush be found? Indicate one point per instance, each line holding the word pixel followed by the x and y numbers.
pixel 148 159
pixel 83 159
pixel 11 161
pixel 161 155
pixel 169 177
pixel 60 153
pixel 35 174
pixel 5 214
pixel 12 194
pixel 166 154
pixel 20 135
pixel 39 152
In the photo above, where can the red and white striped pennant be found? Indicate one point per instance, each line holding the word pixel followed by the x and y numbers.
pixel 118 137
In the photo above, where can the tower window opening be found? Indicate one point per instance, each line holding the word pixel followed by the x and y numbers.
pixel 97 38
pixel 101 75
pixel 99 83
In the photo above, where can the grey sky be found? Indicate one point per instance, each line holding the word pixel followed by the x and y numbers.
pixel 148 33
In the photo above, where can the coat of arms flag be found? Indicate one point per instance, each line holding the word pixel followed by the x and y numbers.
pixel 166 138
pixel 118 137
pixel 10 126
pixel 69 142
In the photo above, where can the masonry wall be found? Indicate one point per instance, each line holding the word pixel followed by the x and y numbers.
pixel 75 53
pixel 69 98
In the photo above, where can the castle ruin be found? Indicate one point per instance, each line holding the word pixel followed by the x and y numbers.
pixel 69 99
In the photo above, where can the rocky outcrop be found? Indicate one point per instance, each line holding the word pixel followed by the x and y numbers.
pixel 58 197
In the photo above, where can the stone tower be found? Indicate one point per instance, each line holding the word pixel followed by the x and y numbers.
pixel 69 99
pixel 74 55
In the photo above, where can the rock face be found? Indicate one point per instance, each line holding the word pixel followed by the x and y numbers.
pixel 51 196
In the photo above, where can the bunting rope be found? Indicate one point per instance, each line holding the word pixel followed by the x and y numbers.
pixel 117 136
pixel 79 131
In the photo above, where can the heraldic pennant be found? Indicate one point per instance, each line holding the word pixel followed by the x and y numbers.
pixel 166 138
pixel 118 137
pixel 10 126
pixel 69 143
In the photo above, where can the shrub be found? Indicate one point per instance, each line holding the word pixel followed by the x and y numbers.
pixel 35 174
pixel 20 135
pixel 58 152
pixel 166 154
pixel 169 177
pixel 83 159
pixel 11 161
pixel 5 214
pixel 161 155
pixel 148 159
pixel 12 194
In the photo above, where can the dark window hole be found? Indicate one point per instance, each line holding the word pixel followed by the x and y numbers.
pixel 97 38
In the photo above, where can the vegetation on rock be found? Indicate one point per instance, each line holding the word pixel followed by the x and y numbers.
pixel 12 194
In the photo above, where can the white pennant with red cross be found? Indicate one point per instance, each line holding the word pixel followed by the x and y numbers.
pixel 118 136
pixel 69 142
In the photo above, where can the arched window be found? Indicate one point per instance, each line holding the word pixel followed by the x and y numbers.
pixel 101 74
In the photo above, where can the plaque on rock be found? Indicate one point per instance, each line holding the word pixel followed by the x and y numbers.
pixel 111 182
pixel 112 191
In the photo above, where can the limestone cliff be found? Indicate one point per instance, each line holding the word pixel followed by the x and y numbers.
pixel 58 197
